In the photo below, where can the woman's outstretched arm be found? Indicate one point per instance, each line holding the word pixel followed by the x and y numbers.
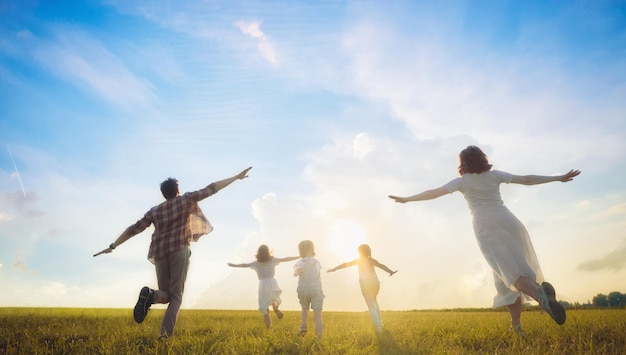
pixel 426 195
pixel 541 179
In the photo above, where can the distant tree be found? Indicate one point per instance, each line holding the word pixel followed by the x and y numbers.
pixel 616 299
pixel 601 300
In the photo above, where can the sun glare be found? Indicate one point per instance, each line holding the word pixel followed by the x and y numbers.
pixel 345 237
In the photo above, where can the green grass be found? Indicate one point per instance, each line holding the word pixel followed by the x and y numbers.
pixel 113 331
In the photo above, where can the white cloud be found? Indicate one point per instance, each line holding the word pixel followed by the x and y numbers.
pixel 5 217
pixel 265 46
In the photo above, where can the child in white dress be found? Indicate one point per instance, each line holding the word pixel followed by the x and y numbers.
pixel 310 293
pixel 269 291
pixel 368 280
pixel 502 238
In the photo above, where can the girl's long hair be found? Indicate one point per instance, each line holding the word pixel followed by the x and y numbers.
pixel 263 254
pixel 365 251
pixel 472 160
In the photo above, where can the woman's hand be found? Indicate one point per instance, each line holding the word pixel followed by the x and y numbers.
pixel 398 199
pixel 569 176
pixel 243 174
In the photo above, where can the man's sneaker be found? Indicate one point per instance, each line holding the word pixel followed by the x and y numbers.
pixel 547 301
pixel 146 298
pixel 302 331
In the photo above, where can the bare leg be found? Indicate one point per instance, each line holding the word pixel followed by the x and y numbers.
pixel 372 306
pixel 319 323
pixel 515 310
pixel 370 289
pixel 267 319
pixel 528 286
pixel 305 319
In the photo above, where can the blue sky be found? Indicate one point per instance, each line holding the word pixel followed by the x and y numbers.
pixel 335 105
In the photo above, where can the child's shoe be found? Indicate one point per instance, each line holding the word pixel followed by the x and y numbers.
pixel 279 314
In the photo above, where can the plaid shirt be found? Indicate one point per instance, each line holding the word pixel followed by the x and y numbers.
pixel 176 221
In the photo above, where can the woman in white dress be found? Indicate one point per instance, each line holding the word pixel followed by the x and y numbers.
pixel 502 238
pixel 269 291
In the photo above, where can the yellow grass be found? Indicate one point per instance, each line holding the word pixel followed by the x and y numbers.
pixel 113 331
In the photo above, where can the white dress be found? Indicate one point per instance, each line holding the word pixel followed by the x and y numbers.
pixel 502 238
pixel 269 291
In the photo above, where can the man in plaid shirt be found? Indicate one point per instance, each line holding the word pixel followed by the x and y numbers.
pixel 177 221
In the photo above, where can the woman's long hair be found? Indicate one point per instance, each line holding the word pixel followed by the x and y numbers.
pixel 472 160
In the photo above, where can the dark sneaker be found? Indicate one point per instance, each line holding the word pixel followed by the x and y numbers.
pixel 547 301
pixel 146 298
pixel 549 289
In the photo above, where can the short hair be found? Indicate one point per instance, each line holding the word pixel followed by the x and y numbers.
pixel 263 254
pixel 472 160
pixel 365 250
pixel 169 188
pixel 306 248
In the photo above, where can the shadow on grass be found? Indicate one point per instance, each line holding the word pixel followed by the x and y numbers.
pixel 386 344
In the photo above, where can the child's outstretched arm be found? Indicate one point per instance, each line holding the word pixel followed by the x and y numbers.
pixel 384 267
pixel 238 265
pixel 426 195
pixel 342 266
pixel 289 258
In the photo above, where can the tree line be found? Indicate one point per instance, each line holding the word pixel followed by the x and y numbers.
pixel 614 299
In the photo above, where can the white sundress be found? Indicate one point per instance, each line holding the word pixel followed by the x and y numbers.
pixel 502 238
pixel 269 291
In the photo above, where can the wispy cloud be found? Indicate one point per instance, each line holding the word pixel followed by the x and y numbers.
pixel 84 61
pixel 19 262
pixel 615 261
pixel 14 204
pixel 265 46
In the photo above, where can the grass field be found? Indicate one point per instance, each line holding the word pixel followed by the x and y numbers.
pixel 113 331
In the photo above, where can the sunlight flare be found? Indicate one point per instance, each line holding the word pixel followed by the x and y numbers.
pixel 345 237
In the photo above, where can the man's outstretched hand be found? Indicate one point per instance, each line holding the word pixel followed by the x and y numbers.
pixel 243 174
pixel 104 251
